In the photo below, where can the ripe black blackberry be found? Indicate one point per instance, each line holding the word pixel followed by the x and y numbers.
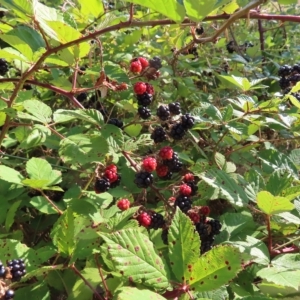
pixel 2 270
pixel 284 83
pixel 143 179
pixel 164 236
pixel 215 226
pixel 206 244
pixel 163 113
pixel 117 182
pixel 17 268
pixel 296 68
pixel 187 121
pixel 81 97
pixel 144 112
pixel 174 108
pixel 155 63
pixel 157 221
pixel 116 122
pixel 9 294
pixel 101 185
pixel 230 47
pixel 184 203
pixel 202 230
pixel 294 78
pixel 144 99
pixel 200 30
pixel 158 135
pixel 174 165
pixel 193 186
pixel 285 70
pixel 177 131
pixel 3 66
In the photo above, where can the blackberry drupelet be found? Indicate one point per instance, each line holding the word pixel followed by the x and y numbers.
pixel 184 203
pixel 177 131
pixel 200 30
pixel 3 66
pixel 9 294
pixel 163 113
pixel 101 185
pixel 187 121
pixel 116 122
pixel 202 230
pixel 174 108
pixel 193 186
pixel 158 135
pixel 296 68
pixel 2 270
pixel 143 179
pixel 206 245
pixel 155 63
pixel 294 78
pixel 144 99
pixel 157 220
pixel 144 112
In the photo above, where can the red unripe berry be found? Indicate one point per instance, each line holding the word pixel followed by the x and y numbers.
pixel 140 88
pixel 166 152
pixel 112 168
pixel 188 177
pixel 111 176
pixel 150 88
pixel 149 164
pixel 123 204
pixel 172 199
pixel 194 217
pixel 162 170
pixel 144 219
pixel 185 190
pixel 204 210
pixel 144 62
pixel 136 66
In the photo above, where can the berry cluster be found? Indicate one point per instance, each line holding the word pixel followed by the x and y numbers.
pixel 151 220
pixel 110 178
pixel 165 163
pixel 17 268
pixel 3 66
pixel 231 47
pixel 289 76
pixel 175 129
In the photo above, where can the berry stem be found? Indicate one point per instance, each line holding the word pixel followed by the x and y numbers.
pixel 96 294
pixel 51 202
pixel 107 291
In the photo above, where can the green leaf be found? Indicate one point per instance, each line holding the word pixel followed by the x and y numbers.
pixel 278 182
pixel 182 233
pixel 133 293
pixel 227 186
pixel 273 205
pixel 133 254
pixel 10 175
pixel 115 72
pixel 10 217
pixel 133 130
pixel 281 277
pixel 92 116
pixel 80 148
pixel 35 183
pixel 41 204
pixel 38 168
pixel 93 8
pixel 198 9
pixel 215 268
pixel 169 8
pixel 63 233
pixel 285 2
pixel 22 8
pixel 289 261
pixel 39 110
pixel 19 45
